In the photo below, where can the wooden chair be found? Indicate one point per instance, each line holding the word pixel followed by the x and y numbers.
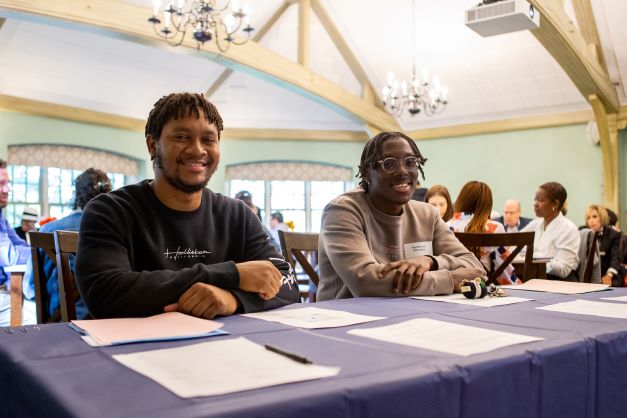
pixel 295 247
pixel 42 243
pixel 472 240
pixel 591 252
pixel 66 243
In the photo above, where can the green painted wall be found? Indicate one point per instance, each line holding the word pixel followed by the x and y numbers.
pixel 18 128
pixel 514 164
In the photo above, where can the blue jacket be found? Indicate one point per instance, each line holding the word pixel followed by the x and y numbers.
pixel 13 249
pixel 69 223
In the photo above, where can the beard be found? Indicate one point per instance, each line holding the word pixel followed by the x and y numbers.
pixel 176 182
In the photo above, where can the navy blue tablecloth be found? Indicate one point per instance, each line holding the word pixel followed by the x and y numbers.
pixel 578 370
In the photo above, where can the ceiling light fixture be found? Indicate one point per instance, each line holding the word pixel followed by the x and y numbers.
pixel 418 94
pixel 205 19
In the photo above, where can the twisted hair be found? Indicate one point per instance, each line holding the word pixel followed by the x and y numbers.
pixel 372 151
pixel 178 106
pixel 89 184
pixel 557 193
pixel 439 190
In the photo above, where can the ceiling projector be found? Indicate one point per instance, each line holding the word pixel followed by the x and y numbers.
pixel 495 17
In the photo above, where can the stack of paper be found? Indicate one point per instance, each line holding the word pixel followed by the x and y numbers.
pixel 219 367
pixel 313 317
pixel 557 286
pixel 443 336
pixel 166 326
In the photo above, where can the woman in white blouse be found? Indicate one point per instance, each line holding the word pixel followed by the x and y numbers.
pixel 556 236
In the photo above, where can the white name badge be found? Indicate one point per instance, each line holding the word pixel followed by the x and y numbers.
pixel 418 248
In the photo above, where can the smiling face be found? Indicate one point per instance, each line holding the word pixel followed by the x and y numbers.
pixel 390 191
pixel 186 154
pixel 440 203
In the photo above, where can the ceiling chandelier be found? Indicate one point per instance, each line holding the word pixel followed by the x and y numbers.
pixel 417 95
pixel 204 18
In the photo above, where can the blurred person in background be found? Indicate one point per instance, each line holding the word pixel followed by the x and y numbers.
pixel 608 239
pixel 29 219
pixel 439 197
pixel 13 250
pixel 87 185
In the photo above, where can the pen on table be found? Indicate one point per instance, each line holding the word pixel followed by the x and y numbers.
pixel 287 354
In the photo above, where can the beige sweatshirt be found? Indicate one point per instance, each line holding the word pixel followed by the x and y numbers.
pixel 357 240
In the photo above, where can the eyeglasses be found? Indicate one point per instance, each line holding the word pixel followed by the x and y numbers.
pixel 390 165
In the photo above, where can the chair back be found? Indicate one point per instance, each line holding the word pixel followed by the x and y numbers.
pixel 66 245
pixel 518 240
pixel 295 247
pixel 589 257
pixel 42 243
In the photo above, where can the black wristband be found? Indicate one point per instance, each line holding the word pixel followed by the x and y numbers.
pixel 435 263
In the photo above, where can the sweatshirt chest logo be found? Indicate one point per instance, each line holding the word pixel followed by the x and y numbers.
pixel 185 253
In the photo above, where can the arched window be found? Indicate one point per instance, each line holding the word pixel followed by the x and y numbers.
pixel 299 190
pixel 42 176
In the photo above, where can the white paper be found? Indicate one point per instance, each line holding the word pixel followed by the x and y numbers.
pixel 617 298
pixel 558 286
pixel 589 307
pixel 220 367
pixel 312 318
pixel 443 336
pixel 485 302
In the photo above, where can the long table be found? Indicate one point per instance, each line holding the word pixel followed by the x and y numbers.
pixel 578 370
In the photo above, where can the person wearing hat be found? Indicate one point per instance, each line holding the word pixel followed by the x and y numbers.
pixel 29 219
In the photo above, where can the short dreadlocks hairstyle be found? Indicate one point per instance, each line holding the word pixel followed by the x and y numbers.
pixel 178 106
pixel 372 152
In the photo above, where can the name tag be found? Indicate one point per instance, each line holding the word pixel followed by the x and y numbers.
pixel 418 248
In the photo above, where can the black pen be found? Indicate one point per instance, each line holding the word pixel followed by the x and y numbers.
pixel 287 354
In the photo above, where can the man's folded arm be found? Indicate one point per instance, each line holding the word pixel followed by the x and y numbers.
pixel 111 288
pixel 259 247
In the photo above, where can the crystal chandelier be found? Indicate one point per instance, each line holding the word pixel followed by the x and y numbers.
pixel 204 18
pixel 417 95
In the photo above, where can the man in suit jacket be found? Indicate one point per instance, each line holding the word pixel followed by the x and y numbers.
pixel 511 219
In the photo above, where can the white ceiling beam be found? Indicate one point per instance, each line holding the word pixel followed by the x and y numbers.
pixel 304 32
pixel 117 18
pixel 588 28
pixel 561 39
pixel 75 114
pixel 504 125
pixel 368 90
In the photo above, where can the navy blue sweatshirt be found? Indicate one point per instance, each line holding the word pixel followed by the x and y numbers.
pixel 136 255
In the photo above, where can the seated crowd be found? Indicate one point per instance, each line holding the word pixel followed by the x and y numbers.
pixel 172 244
